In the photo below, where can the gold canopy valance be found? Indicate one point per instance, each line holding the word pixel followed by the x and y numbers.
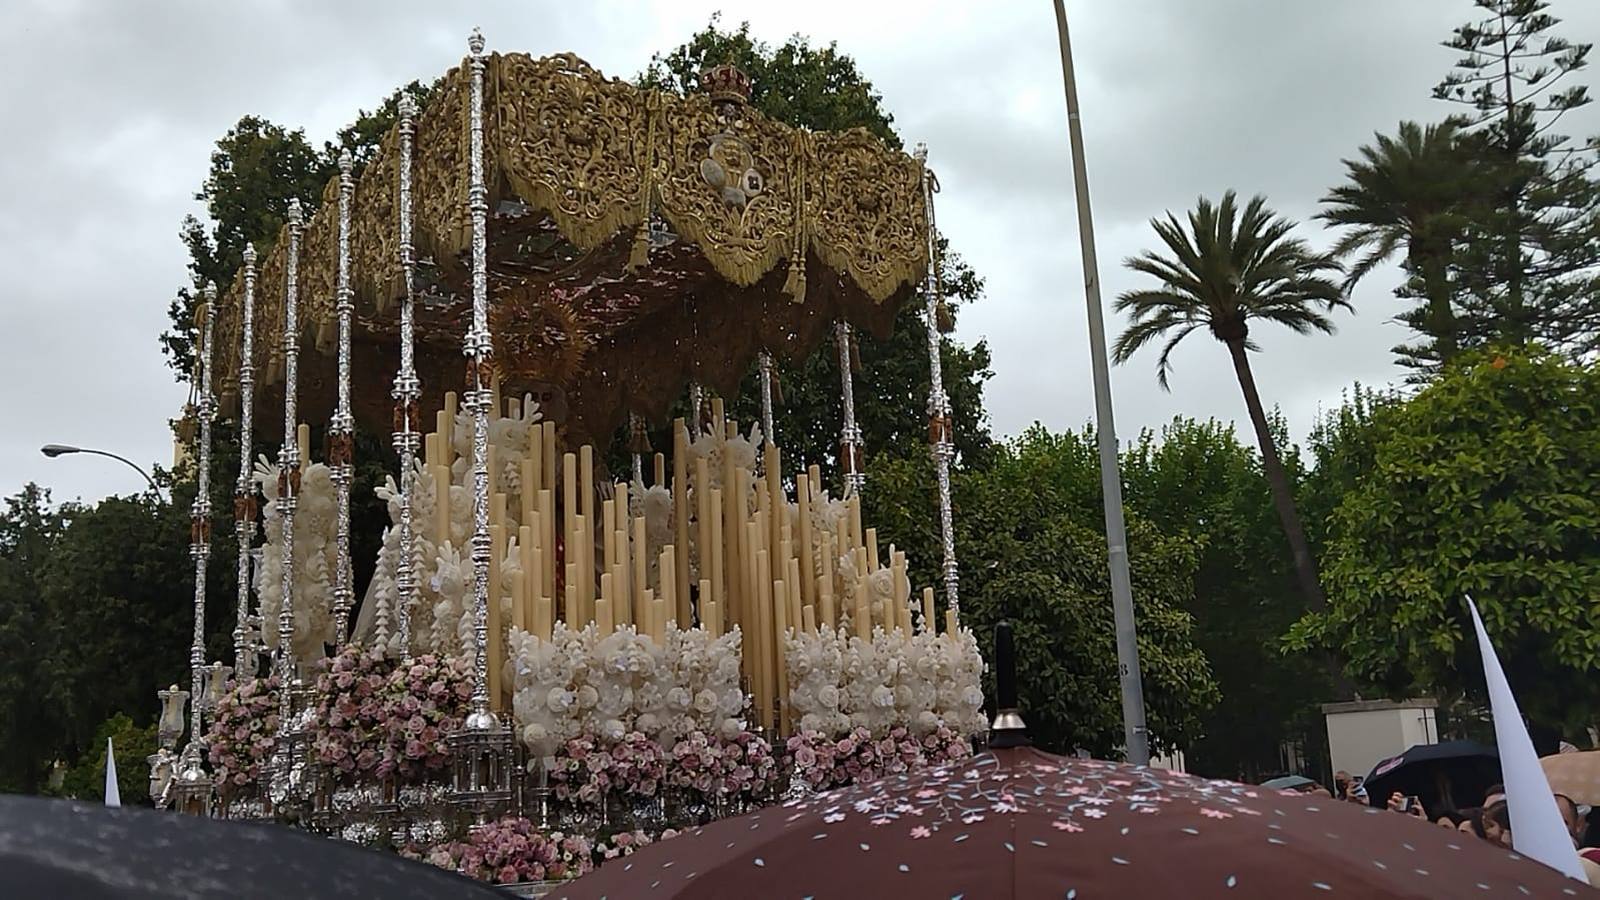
pixel 637 240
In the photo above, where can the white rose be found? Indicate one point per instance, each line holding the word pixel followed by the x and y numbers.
pixel 535 735
pixel 882 697
pixel 828 697
pixel 679 698
pixel 728 667
pixel 903 696
pixel 558 700
pixel 732 701
pixel 731 728
pixel 972 697
pixel 612 729
pixel 648 723
pixel 705 702
pixel 587 697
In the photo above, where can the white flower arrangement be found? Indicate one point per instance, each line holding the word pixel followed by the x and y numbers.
pixel 580 682
pixel 922 682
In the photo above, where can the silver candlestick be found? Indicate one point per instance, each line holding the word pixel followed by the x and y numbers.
pixel 940 428
pixel 482 776
pixel 288 487
pixel 244 491
pixel 407 395
pixel 193 784
pixel 341 430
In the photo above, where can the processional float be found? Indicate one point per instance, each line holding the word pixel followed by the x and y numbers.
pixel 593 252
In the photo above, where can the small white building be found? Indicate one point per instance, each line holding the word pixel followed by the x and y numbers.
pixel 1362 733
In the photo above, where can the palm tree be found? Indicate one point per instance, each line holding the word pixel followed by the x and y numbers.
pixel 1407 191
pixel 1227 269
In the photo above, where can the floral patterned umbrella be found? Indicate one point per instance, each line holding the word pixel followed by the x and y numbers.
pixel 1021 823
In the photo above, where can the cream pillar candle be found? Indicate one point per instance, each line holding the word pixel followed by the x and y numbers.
pixel 706 604
pixel 520 617
pixel 808 619
pixel 641 565
pixel 952 624
pixel 825 583
pixel 533 580
pixel 791 581
pixel 547 541
pixel 583 555
pixel 602 609
pixel 666 563
pixel 528 494
pixel 780 633
pixel 547 436
pixel 779 507
pixel 680 513
pixel 713 622
pixel 729 538
pixel 658 606
pixel 608 532
pixel 430 450
pixel 763 633
pixel 571 614
pixel 808 572
pixel 863 613
pixel 303 438
pixel 928 622
pixel 719 590
pixel 569 505
pixel 872 550
pixel 660 471
pixel 447 446
pixel 621 576
pixel 702 511
pixel 586 486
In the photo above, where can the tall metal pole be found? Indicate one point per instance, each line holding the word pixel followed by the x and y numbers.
pixel 1135 737
pixel 244 491
pixel 341 431
pixel 407 417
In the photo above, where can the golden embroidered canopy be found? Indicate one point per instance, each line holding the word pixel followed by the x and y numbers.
pixel 637 241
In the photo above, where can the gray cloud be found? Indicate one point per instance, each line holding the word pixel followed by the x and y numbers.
pixel 113 107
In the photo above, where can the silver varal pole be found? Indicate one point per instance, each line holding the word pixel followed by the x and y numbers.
pixel 341 430
pixel 940 427
pixel 851 454
pixel 407 395
pixel 478 348
pixel 288 488
pixel 1133 725
pixel 200 542
pixel 244 492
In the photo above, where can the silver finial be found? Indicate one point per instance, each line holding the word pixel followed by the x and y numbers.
pixel 407 106
pixel 294 211
pixel 921 153
pixel 346 161
pixel 249 254
pixel 475 42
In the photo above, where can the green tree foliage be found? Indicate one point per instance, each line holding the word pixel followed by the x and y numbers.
pixel 1196 480
pixel 1230 267
pixel 131 743
pixel 1530 264
pixel 1031 540
pixel 1409 192
pixel 1484 483
pixel 820 88
pixel 28 530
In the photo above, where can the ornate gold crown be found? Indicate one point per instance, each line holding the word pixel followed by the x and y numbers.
pixel 725 83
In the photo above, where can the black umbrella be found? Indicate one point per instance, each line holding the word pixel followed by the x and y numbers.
pixel 61 850
pixel 1451 775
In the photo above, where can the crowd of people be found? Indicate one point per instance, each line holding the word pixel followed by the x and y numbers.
pixel 1489 821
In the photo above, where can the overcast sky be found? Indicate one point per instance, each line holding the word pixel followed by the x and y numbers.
pixel 111 110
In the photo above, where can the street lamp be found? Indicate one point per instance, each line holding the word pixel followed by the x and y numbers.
pixel 55 450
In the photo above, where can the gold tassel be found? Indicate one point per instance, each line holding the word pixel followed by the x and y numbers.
pixel 795 285
pixel 945 322
pixel 640 257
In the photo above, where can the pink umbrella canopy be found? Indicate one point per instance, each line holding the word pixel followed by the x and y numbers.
pixel 1025 824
